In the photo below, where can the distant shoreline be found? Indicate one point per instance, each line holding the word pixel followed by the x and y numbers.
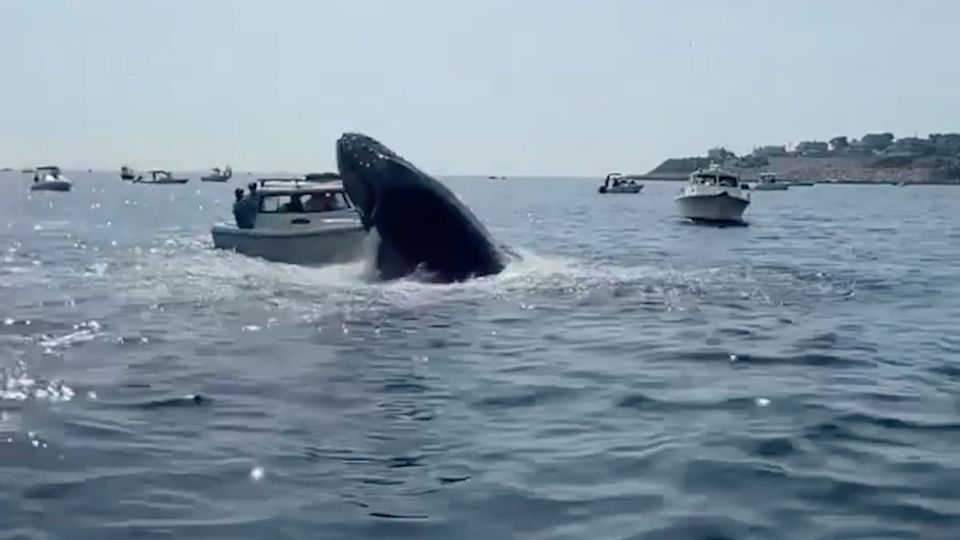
pixel 683 178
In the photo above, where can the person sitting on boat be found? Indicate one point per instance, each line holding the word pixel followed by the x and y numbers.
pixel 315 204
pixel 244 212
pixel 330 202
pixel 295 204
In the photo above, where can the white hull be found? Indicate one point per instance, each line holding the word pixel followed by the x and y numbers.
pixel 635 188
pixel 60 184
pixel 719 207
pixel 769 187
pixel 161 182
pixel 327 245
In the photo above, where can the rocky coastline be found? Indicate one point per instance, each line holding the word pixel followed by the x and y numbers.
pixel 875 159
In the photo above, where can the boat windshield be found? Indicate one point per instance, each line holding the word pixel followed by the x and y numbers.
pixel 729 181
pixel 709 179
pixel 303 202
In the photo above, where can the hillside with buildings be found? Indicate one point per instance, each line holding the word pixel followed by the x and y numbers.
pixel 874 158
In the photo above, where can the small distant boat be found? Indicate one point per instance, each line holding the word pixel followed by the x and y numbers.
pixel 617 183
pixel 768 182
pixel 161 176
pixel 713 196
pixel 6 169
pixel 323 229
pixel 126 173
pixel 218 175
pixel 49 178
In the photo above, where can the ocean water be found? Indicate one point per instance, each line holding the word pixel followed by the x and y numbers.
pixel 632 376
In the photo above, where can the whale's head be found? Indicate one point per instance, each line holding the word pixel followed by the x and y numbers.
pixel 369 170
pixel 420 222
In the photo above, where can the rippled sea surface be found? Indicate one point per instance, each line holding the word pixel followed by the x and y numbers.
pixel 631 377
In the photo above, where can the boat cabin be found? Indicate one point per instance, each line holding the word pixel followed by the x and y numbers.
pixel 715 177
pixel 616 179
pixel 52 170
pixel 287 202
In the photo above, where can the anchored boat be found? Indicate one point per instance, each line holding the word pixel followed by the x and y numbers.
pixel 161 176
pixel 49 178
pixel 768 182
pixel 713 195
pixel 218 175
pixel 617 183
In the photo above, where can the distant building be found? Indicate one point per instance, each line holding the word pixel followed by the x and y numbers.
pixel 857 148
pixel 910 147
pixel 813 148
pixel 876 142
pixel 839 144
pixel 720 154
pixel 946 143
pixel 770 151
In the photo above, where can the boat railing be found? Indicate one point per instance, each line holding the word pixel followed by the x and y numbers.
pixel 322 177
pixel 281 180
pixel 297 181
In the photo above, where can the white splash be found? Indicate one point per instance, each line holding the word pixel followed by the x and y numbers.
pixel 83 332
pixel 18 385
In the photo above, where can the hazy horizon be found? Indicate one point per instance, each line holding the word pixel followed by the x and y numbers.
pixel 571 88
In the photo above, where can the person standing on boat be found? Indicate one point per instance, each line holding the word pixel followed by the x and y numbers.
pixel 253 202
pixel 244 212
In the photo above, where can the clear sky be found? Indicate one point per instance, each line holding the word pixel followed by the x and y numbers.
pixel 572 87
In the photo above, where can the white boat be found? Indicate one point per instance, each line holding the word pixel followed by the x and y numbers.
pixel 713 195
pixel 298 221
pixel 161 176
pixel 49 178
pixel 218 175
pixel 768 182
pixel 617 183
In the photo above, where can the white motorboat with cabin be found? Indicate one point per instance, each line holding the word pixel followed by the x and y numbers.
pixel 161 176
pixel 49 178
pixel 218 175
pixel 713 195
pixel 617 183
pixel 299 221
pixel 768 182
